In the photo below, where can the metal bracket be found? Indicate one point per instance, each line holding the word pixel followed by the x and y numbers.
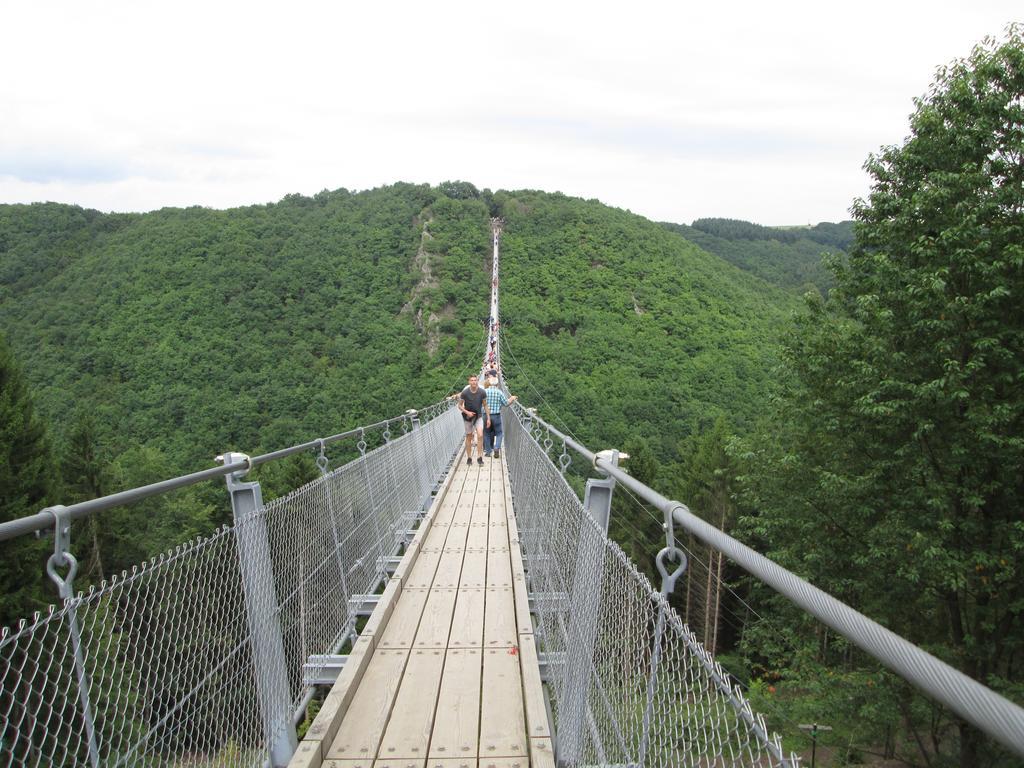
pixel 321 459
pixel 62 553
pixel 548 663
pixel 363 605
pixel 323 669
pixel 668 580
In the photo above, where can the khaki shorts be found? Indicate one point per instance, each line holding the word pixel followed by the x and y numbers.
pixel 477 422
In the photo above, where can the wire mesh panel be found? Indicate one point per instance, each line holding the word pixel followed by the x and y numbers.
pixel 156 667
pixel 630 684
pixel 330 539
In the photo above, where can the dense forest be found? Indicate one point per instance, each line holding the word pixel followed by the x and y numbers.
pixel 868 437
pixel 196 330
pixel 152 342
pixel 790 257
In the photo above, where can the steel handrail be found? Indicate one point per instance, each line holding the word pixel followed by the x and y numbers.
pixel 45 519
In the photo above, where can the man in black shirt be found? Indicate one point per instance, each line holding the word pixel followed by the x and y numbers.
pixel 473 404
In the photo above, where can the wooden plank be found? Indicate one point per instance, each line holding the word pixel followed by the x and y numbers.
pixel 502 724
pixel 408 562
pixel 379 618
pixel 500 619
pixel 497 537
pixel 325 725
pixel 422 574
pixel 480 514
pixel 537 725
pixel 524 623
pixel 360 731
pixel 448 569
pixel 436 621
pixel 474 570
pixel 348 764
pixel 307 755
pixel 497 540
pixel 542 754
pixel 468 620
pixel 476 537
pixel 499 568
pixel 517 564
pixel 466 499
pixel 405 619
pixel 456 726
pixel 510 511
pixel 435 540
pixel 456 537
pixel 448 495
pixel 463 515
pixel 412 716
pixel 497 499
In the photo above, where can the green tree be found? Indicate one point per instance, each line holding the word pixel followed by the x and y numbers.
pixel 85 477
pixel 896 472
pixel 26 484
pixel 708 487
pixel 146 528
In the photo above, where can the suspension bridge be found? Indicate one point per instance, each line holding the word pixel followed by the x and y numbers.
pixel 458 616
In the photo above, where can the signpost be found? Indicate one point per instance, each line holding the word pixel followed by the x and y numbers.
pixel 814 728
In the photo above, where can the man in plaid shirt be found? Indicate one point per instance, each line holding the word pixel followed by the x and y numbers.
pixel 493 433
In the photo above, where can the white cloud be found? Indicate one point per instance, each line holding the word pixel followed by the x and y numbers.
pixel 763 111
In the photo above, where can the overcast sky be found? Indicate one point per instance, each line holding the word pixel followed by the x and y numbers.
pixel 759 111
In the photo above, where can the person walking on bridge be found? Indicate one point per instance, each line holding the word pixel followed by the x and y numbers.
pixel 496 400
pixel 473 403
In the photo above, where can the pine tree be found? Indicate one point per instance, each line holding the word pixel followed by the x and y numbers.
pixel 26 481
pixel 83 470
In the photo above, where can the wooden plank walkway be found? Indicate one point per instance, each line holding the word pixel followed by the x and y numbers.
pixel 445 673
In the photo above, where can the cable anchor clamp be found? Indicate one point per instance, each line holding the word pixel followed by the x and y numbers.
pixel 62 556
pixel 668 579
pixel 321 459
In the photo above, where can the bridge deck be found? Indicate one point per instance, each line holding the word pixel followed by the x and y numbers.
pixel 445 672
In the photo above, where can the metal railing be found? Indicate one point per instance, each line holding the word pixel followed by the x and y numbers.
pixel 630 683
pixel 987 710
pixel 196 657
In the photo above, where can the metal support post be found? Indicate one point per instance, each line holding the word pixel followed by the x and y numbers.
pixel 586 608
pixel 261 612
pixel 60 558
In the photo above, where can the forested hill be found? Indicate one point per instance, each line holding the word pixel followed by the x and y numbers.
pixel 790 257
pixel 195 330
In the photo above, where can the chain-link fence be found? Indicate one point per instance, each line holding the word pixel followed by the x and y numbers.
pixel 630 684
pixel 160 665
